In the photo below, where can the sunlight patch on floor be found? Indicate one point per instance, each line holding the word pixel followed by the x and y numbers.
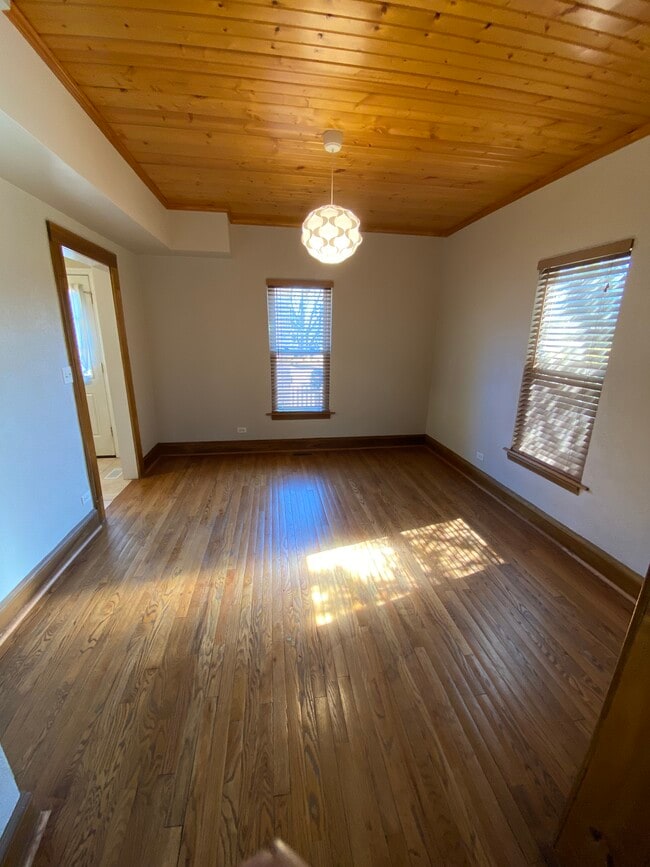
pixel 372 573
pixel 354 577
pixel 450 549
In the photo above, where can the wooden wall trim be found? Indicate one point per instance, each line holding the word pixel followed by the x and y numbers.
pixel 60 237
pixel 33 587
pixel 621 576
pixel 18 832
pixel 150 458
pixel 56 242
pixel 218 447
pixel 65 238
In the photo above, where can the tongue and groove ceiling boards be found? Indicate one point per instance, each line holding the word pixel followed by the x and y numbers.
pixel 450 108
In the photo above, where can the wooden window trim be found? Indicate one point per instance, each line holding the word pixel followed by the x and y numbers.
pixel 542 469
pixel 578 257
pixel 291 416
pixel 299 284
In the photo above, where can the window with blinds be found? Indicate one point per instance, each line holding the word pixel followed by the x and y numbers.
pixel 574 317
pixel 300 336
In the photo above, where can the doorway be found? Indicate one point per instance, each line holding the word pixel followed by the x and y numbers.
pixel 82 293
pixel 91 306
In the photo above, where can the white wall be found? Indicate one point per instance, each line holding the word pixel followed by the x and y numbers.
pixel 487 289
pixel 42 467
pixel 51 148
pixel 209 336
pixel 33 96
pixel 8 792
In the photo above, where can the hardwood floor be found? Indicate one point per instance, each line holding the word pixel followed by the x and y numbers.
pixel 359 652
pixel 111 479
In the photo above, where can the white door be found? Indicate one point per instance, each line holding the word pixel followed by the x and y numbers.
pixel 89 346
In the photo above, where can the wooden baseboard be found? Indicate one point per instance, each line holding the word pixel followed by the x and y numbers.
pixel 34 586
pixel 150 458
pixel 600 561
pixel 305 444
pixel 22 829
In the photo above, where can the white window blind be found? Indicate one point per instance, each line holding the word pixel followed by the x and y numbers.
pixel 574 318
pixel 300 334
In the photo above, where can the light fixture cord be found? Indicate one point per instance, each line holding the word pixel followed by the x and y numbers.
pixel 332 182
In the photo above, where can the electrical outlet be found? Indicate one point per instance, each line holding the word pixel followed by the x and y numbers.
pixel 86 498
pixel 242 430
pixel 479 456
pixel 67 374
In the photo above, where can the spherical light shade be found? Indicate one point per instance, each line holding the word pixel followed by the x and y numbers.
pixel 331 234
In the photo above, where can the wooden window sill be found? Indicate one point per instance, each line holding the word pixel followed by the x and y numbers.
pixel 292 416
pixel 553 475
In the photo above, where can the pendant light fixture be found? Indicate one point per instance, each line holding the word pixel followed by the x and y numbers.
pixel 331 233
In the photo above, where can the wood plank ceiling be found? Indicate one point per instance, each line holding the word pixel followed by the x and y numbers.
pixel 450 108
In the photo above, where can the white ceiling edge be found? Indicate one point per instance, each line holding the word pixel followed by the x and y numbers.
pixel 50 148
pixel 29 165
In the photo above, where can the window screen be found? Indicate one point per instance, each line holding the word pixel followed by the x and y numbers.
pixel 300 328
pixel 574 317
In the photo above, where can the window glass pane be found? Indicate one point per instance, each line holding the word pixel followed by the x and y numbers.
pixel 82 332
pixel 299 339
pixel 575 315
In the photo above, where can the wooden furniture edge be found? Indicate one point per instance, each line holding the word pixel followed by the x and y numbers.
pixel 23 828
pixel 216 447
pixel 33 587
pixel 608 568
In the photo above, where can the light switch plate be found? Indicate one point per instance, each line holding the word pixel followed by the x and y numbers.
pixel 67 374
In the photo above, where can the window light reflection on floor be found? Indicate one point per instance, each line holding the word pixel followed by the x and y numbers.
pixel 353 577
pixel 450 549
pixel 370 574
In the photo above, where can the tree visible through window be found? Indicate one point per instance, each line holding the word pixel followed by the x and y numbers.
pixel 574 317
pixel 300 326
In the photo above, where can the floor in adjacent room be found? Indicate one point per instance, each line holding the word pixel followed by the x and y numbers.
pixel 111 479
pixel 359 652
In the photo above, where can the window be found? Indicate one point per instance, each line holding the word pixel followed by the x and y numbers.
pixel 574 317
pixel 82 329
pixel 300 334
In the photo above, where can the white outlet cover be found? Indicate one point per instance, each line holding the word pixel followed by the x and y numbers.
pixel 479 456
pixel 242 430
pixel 66 372
pixel 86 498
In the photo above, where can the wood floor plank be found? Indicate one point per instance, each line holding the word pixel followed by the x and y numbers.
pixel 360 652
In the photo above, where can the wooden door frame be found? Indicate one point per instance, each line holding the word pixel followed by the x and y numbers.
pixel 58 238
